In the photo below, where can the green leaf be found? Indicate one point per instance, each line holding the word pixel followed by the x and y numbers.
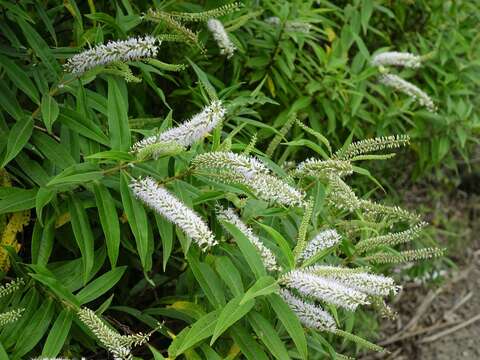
pixel 9 102
pixel 55 152
pixel 291 323
pixel 112 155
pixel 118 115
pixel 229 274
pixel 100 285
pixel 83 126
pixel 245 341
pixel 156 354
pixel 83 234
pixel 43 197
pixel 50 111
pixel 17 200
pixel 54 285
pixel 248 250
pixel 58 334
pixel 20 79
pixel 203 78
pixel 137 219
pixel 208 281
pixel 230 314
pixel 35 329
pixel 281 242
pixel 200 330
pixel 17 138
pixel 77 174
pixel 166 235
pixel 109 220
pixel 263 286
pixel 39 46
pixel 267 334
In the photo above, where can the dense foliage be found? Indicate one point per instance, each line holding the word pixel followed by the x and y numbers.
pixel 174 176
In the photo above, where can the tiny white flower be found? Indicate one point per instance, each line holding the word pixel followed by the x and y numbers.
pixel 226 46
pixel 323 240
pixel 310 315
pixel 320 288
pixel 396 58
pixel 268 258
pixel 167 205
pixel 103 54
pixel 397 83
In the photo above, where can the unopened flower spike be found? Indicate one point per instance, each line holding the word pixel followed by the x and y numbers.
pixel 267 256
pixel 167 205
pixel 396 58
pixel 134 48
pixel 224 43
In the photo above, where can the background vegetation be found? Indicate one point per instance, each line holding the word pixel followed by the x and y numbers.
pixel 66 167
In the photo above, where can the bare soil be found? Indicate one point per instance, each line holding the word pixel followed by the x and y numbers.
pixel 442 322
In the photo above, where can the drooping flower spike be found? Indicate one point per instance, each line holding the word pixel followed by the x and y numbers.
pixel 167 205
pixel 134 48
pixel 406 87
pixel 397 58
pixel 224 43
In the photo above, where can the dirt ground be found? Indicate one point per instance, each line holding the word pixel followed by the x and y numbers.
pixel 442 322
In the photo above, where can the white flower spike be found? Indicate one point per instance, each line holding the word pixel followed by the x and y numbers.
pixel 320 288
pixel 399 84
pixel 167 205
pixel 226 46
pixel 189 132
pixel 124 50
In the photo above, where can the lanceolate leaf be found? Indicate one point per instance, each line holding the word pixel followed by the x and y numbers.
pixel 137 219
pixel 118 115
pixel 231 313
pixel 109 220
pixel 58 334
pixel 50 111
pixel 83 234
pixel 17 138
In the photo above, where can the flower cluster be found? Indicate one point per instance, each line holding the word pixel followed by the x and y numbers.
pixel 183 135
pixel 290 26
pixel 167 205
pixel 225 45
pixel 114 51
pixel 396 58
pixel 268 258
pixel 250 172
pixel 118 345
pixel 5 290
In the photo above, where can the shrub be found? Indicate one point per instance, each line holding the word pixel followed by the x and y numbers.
pixel 127 225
